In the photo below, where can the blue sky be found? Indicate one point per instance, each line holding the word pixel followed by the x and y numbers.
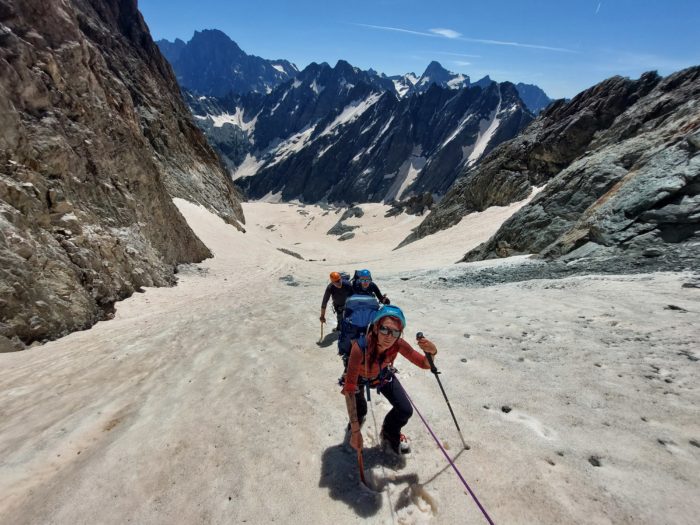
pixel 563 46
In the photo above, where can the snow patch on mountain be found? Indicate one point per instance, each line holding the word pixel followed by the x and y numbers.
pixel 408 172
pixel 368 127
pixel 272 198
pixel 248 167
pixel 413 79
pixel 324 150
pixel 237 119
pixel 465 120
pixel 458 81
pixel 358 156
pixel 485 136
pixel 346 85
pixel 316 88
pixel 386 127
pixel 292 145
pixel 351 112
pixel 401 88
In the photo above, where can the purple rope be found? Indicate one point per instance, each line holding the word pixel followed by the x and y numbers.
pixel 476 500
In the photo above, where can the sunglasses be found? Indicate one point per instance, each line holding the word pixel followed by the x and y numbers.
pixel 386 331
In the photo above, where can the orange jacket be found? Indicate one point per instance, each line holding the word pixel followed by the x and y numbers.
pixel 358 369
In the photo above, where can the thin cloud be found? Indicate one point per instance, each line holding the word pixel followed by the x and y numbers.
pixel 598 8
pixel 517 44
pixel 461 63
pixel 397 29
pixel 466 39
pixel 447 33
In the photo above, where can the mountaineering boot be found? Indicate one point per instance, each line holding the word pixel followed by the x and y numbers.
pixel 404 444
pixel 397 446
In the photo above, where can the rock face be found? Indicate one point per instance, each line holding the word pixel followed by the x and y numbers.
pixel 213 64
pixel 95 140
pixel 622 172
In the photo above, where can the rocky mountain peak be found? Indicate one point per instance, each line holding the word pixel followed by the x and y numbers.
pixel 211 63
pixel 171 50
pixel 483 82
pixel 435 69
pixel 214 38
pixel 438 75
pixel 343 67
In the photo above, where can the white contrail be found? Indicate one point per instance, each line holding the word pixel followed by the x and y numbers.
pixel 466 39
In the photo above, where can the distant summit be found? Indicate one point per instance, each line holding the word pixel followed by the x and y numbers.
pixel 212 64
pixel 434 74
pixel 535 99
pixel 438 75
pixel 484 82
pixel 533 96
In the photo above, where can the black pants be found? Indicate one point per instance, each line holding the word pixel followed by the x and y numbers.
pixel 339 314
pixel 399 414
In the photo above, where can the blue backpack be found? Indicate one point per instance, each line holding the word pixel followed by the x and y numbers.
pixel 358 314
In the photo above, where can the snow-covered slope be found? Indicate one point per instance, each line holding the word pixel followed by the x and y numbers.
pixel 198 402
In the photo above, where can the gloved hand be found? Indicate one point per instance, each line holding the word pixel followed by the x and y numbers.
pixel 323 318
pixel 385 300
pixel 427 346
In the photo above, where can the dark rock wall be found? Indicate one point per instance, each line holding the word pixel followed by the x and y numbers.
pixel 638 188
pixel 94 142
pixel 635 191
pixel 561 134
pixel 361 160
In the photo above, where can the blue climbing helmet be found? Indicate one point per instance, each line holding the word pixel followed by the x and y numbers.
pixel 389 310
pixel 363 274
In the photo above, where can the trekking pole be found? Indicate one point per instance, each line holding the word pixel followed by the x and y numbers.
pixel 321 332
pixel 435 372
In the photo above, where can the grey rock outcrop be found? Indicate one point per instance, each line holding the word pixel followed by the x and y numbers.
pixel 339 228
pixel 415 205
pixel 561 134
pixel 635 190
pixel 95 140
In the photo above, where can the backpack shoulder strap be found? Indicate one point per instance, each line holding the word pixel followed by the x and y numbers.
pixel 362 343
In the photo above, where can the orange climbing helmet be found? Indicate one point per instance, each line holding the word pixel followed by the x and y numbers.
pixel 335 277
